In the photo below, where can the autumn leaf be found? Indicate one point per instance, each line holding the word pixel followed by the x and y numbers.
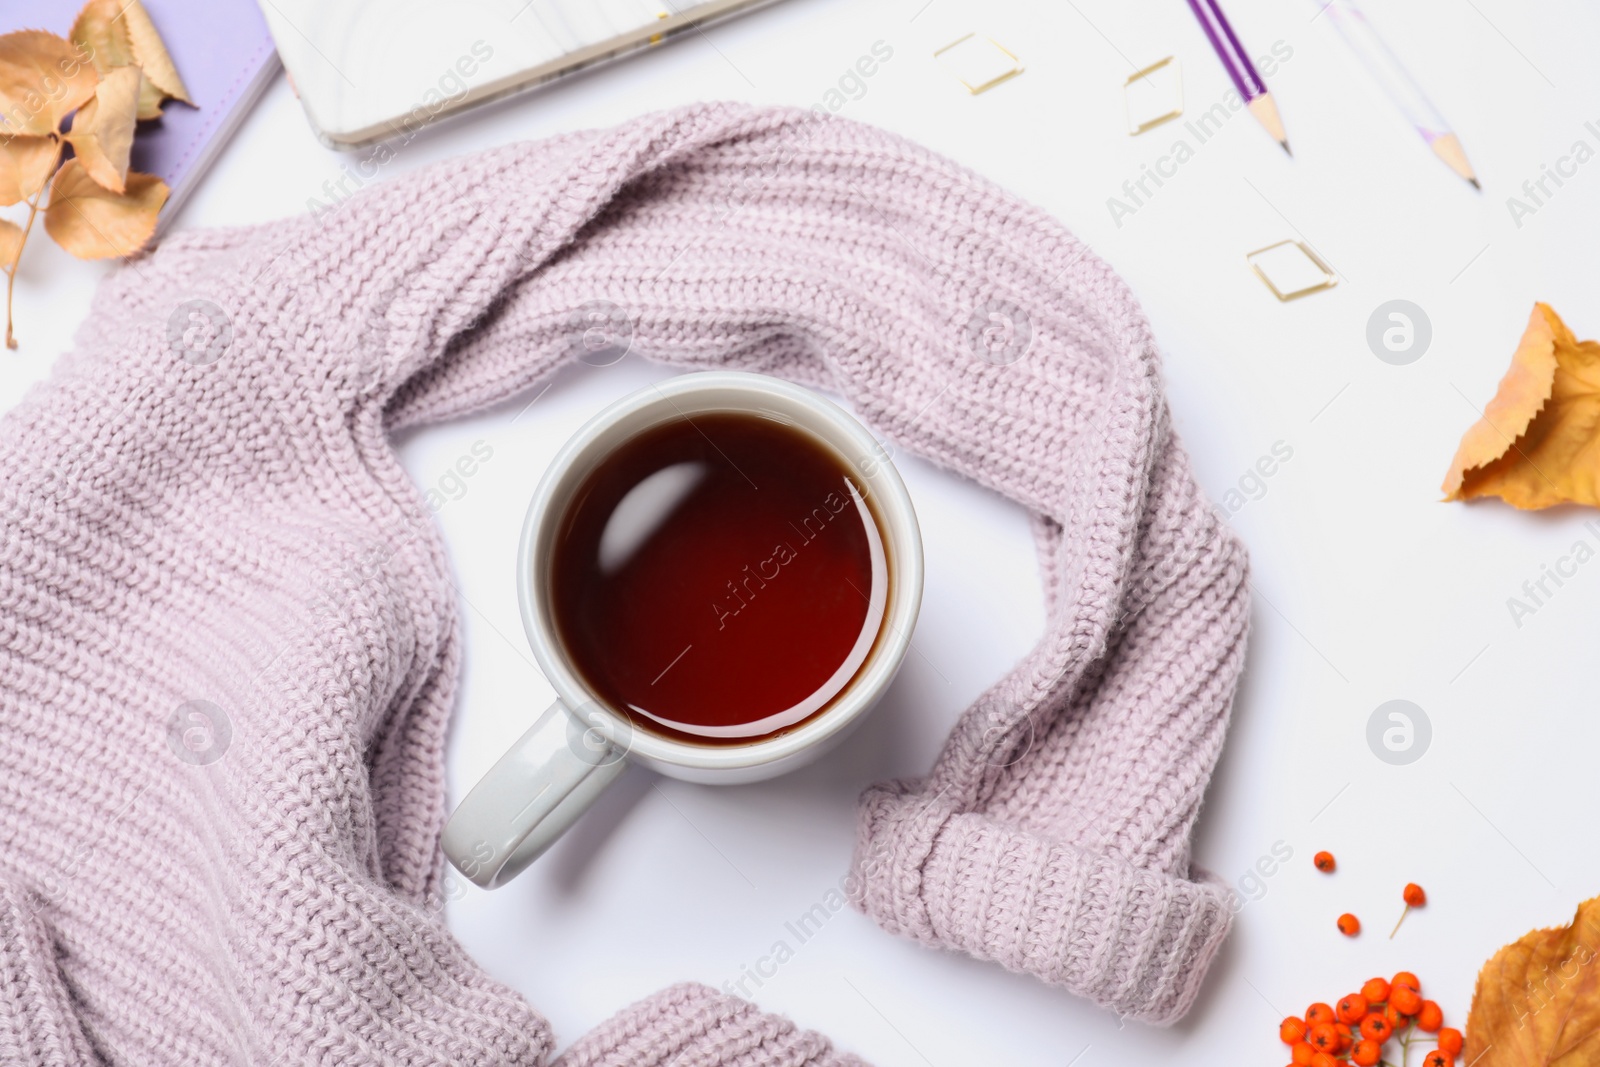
pixel 105 30
pixel 113 71
pixel 92 222
pixel 150 99
pixel 102 130
pixel 1538 443
pixel 1538 999
pixel 43 79
pixel 100 32
pixel 11 238
pixel 25 165
pixel 150 53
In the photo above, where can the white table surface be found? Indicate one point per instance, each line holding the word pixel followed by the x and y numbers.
pixel 1367 588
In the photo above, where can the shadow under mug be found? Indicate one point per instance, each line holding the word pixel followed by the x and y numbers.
pixel 580 745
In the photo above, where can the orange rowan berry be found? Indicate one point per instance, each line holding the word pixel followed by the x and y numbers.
pixel 1366 1054
pixel 1405 999
pixel 1325 862
pixel 1292 1030
pixel 1397 1019
pixel 1376 990
pixel 1406 978
pixel 1349 925
pixel 1414 898
pixel 1324 1059
pixel 1324 1038
pixel 1302 1053
pixel 1430 1017
pixel 1450 1040
pixel 1351 1009
pixel 1320 1013
pixel 1437 1059
pixel 1347 1037
pixel 1376 1028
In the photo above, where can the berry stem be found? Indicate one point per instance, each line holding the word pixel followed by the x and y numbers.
pixel 1398 921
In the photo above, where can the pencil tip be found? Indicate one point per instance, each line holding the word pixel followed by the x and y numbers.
pixel 1475 184
pixel 1287 149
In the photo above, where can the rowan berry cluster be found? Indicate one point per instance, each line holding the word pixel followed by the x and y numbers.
pixel 1361 1025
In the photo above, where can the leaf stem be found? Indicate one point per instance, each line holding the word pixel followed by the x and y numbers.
pixel 11 271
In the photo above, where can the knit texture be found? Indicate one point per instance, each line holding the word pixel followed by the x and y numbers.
pixel 1053 833
pixel 228 635
pixel 692 1025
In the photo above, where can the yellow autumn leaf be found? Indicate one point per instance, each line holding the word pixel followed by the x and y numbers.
pixel 150 99
pixel 101 30
pixel 102 130
pixel 11 237
pixel 43 79
pixel 1538 999
pixel 25 166
pixel 1538 442
pixel 92 222
pixel 150 53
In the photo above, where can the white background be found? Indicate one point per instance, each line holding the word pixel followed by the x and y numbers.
pixel 1367 588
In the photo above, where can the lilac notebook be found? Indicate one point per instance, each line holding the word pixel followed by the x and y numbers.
pixel 226 58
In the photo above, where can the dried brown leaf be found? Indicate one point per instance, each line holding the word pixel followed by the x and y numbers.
pixel 92 222
pixel 102 131
pixel 149 98
pixel 43 79
pixel 1538 442
pixel 25 165
pixel 151 54
pixel 1538 999
pixel 102 33
pixel 10 242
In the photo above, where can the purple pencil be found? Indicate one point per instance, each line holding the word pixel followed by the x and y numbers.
pixel 1243 72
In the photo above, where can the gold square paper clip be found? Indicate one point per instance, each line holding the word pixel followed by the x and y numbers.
pixel 979 63
pixel 1291 270
pixel 1156 92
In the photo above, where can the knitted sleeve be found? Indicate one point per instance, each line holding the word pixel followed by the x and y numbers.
pixel 971 329
pixel 1053 834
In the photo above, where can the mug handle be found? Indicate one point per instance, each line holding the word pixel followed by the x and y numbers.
pixel 498 830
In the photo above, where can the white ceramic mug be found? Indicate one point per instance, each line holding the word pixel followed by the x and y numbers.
pixel 579 745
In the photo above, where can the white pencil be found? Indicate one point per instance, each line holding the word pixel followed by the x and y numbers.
pixel 1386 68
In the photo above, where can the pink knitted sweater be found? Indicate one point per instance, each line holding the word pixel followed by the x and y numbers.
pixel 228 641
